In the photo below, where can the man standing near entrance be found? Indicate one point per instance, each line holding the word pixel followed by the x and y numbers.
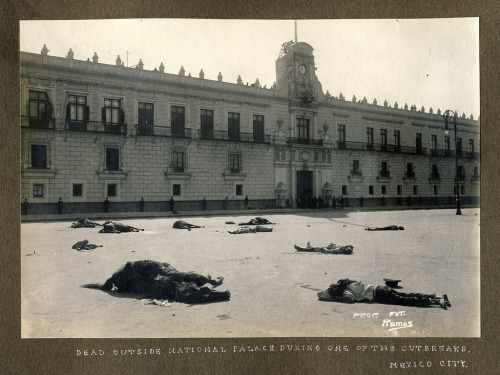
pixel 246 202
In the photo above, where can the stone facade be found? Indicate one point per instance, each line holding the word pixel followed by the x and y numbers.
pixel 91 131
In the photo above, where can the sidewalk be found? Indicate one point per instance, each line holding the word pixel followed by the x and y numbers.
pixel 195 213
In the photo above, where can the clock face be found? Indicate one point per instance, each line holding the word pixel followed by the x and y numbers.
pixel 302 69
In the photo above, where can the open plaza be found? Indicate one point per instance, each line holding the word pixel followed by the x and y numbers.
pixel 273 287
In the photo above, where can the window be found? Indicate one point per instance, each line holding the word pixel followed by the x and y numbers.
pixel 302 130
pixel 410 173
pixel 176 189
pixel 459 146
pixel 178 161
pixel 418 143
pixel 112 159
pixel 177 121
pixel 111 111
pixel 112 116
pixel 344 189
pixel 234 163
pixel 383 139
pixel 399 190
pixel 369 138
pixel 355 168
pixel 476 173
pixel 436 189
pixel 77 190
pixel 447 144
pixel 397 140
pixel 383 190
pixel 370 190
pixel 37 190
pixel 434 171
pixel 233 126
pixel 471 147
pixel 434 144
pixel 112 190
pixel 461 172
pixel 39 109
pixel 145 118
pixel 341 136
pixel 384 172
pixel 258 128
pixel 239 189
pixel 207 124
pixel 415 189
pixel 77 112
pixel 38 156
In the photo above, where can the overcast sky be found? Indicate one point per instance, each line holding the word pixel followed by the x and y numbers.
pixel 423 62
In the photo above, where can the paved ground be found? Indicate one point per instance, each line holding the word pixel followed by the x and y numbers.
pixel 273 288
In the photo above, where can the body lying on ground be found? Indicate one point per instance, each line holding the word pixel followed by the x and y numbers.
pixel 257 221
pixel 85 223
pixel 256 229
pixel 84 245
pixel 389 227
pixel 350 291
pixel 330 249
pixel 181 224
pixel 116 227
pixel 158 280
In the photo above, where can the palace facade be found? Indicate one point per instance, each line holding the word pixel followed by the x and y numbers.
pixel 91 130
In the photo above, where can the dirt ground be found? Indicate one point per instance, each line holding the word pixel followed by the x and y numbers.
pixel 273 287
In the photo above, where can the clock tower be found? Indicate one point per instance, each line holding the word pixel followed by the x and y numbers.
pixel 296 73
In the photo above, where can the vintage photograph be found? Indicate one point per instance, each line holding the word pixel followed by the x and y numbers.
pixel 196 178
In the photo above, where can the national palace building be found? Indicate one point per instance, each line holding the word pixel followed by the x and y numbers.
pixel 91 130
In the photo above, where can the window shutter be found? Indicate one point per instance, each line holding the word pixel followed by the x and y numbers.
pixel 86 113
pixel 103 114
pixel 68 112
pixel 122 117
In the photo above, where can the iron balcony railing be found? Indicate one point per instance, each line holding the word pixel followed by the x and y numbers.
pixel 410 175
pixel 164 131
pixel 96 127
pixel 34 122
pixel 385 174
pixel 435 176
pixel 305 141
pixel 381 147
pixel 356 173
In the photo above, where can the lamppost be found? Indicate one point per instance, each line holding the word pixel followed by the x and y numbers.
pixel 446 116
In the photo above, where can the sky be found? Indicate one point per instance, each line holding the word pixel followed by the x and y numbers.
pixel 423 62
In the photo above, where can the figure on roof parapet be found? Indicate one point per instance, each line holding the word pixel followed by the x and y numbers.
pixel 45 50
pixel 140 64
pixel 284 48
pixel 95 58
pixel 162 68
pixel 239 80
pixel 182 72
pixel 202 74
pixel 118 61
pixel 70 54
pixel 219 77
pixel 354 99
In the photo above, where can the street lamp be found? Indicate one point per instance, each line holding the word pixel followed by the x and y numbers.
pixel 446 116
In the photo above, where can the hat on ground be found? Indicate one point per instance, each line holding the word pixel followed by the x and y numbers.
pixel 391 283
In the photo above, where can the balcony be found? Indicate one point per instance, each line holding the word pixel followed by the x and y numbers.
pixel 384 176
pixel 96 127
pixel 409 175
pixel 356 173
pixel 435 176
pixel 305 141
pixel 461 176
pixel 33 122
pixel 380 147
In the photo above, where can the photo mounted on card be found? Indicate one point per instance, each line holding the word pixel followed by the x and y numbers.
pixel 223 178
